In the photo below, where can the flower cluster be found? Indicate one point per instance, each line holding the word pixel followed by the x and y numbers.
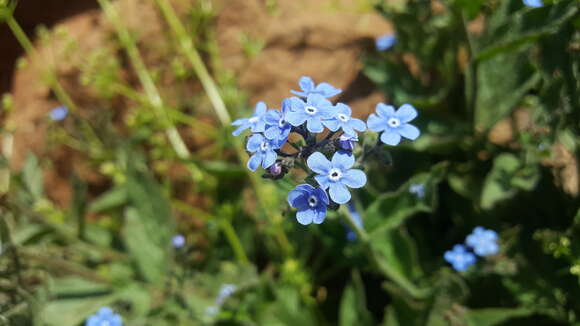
pixel 328 159
pixel 483 242
pixel 104 317
pixel 224 293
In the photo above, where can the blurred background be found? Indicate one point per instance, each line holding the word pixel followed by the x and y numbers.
pixel 124 199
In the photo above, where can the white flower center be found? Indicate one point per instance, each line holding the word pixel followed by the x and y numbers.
pixel 334 174
pixel 281 122
pixel 253 119
pixel 264 146
pixel 312 201
pixel 310 110
pixel 343 117
pixel 394 122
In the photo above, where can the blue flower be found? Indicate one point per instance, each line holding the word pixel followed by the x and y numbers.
pixel 312 112
pixel 356 218
pixel 178 241
pixel 418 190
pixel 336 174
pixel 394 124
pixel 256 122
pixel 310 202
pixel 104 317
pixel 277 127
pixel 225 292
pixel 342 119
pixel 346 142
pixel 534 3
pixel 58 113
pixel 263 150
pixel 385 42
pixel 483 242
pixel 460 258
pixel 308 87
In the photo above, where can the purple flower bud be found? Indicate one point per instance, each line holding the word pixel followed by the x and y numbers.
pixel 275 169
pixel 346 142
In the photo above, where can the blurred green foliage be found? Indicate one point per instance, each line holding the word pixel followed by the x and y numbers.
pixel 467 65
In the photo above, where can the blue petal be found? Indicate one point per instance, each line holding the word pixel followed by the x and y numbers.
pixel 385 111
pixel 326 112
pixel 339 193
pixel 259 126
pixel 239 122
pixel 343 108
pixel 409 131
pixel 318 163
pixel 314 125
pixel 296 118
pixel 261 108
pixel 272 117
pixel 390 137
pixel 318 101
pixel 385 42
pixel 306 217
pixel 322 196
pixel 269 159
pixel 105 312
pixel 295 197
pixel 327 90
pixel 342 160
pixel 320 215
pixel 254 161
pixel 306 83
pixel 116 321
pixel 406 113
pixel 238 131
pixel 93 321
pixel 357 124
pixel 295 104
pixel 254 143
pixel 322 180
pixel 354 178
pixel 376 123
pixel 331 124
pixel 348 129
pixel 273 132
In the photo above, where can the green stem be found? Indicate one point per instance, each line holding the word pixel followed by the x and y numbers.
pixel 185 46
pixel 234 241
pixel 471 73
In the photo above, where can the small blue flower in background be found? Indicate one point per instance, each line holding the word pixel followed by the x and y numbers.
pixel 483 241
pixel 534 3
pixel 460 258
pixel 342 119
pixel 312 112
pixel 310 202
pixel 394 124
pixel 418 190
pixel 225 292
pixel 256 123
pixel 277 128
pixel 346 142
pixel 385 42
pixel 104 317
pixel 336 174
pixel 356 218
pixel 308 87
pixel 263 150
pixel 178 241
pixel 58 113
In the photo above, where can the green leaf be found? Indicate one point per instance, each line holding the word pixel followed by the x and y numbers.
pixel 494 316
pixel 148 255
pixel 111 199
pixel 32 177
pixel 287 310
pixel 353 309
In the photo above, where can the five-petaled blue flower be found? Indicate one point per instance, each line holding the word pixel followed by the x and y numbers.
pixel 310 202
pixel 104 317
pixel 460 258
pixel 534 3
pixel 178 241
pixel 256 122
pixel 385 42
pixel 342 119
pixel 263 150
pixel 308 87
pixel 58 113
pixel 483 242
pixel 336 174
pixel 313 111
pixel 394 124
pixel 225 292
pixel 277 127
